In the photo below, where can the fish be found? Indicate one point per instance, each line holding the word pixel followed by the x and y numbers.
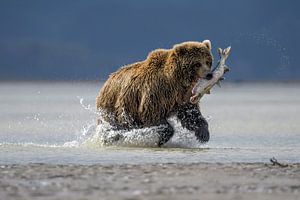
pixel 204 85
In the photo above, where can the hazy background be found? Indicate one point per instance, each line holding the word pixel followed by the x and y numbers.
pixel 89 39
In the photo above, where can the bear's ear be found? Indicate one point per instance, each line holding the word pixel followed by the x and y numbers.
pixel 207 44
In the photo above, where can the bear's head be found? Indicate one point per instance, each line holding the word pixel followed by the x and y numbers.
pixel 190 61
pixel 193 60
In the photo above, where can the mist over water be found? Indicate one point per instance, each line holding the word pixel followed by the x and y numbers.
pixel 56 123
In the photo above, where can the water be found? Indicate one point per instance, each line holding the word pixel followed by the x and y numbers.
pixel 55 123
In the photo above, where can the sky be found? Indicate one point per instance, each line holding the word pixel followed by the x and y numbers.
pixel 88 39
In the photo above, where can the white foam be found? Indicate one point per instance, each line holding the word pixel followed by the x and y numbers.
pixel 105 135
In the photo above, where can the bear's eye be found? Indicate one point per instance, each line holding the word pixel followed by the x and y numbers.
pixel 208 63
pixel 197 65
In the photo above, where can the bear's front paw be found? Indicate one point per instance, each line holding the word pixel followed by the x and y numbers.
pixel 202 134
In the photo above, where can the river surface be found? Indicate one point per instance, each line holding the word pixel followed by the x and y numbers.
pixel 54 123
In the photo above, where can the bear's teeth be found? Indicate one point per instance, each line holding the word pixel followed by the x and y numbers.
pixel 194 99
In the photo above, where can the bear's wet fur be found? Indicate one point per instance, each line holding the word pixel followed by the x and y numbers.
pixel 147 93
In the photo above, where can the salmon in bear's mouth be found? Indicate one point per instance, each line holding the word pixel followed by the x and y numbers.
pixel 204 85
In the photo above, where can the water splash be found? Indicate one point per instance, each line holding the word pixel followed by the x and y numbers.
pixel 88 107
pixel 106 136
pixel 93 135
pixel 103 135
pixel 264 38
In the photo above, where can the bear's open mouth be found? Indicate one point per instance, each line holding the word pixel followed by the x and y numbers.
pixel 195 98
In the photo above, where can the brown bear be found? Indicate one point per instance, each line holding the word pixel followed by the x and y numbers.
pixel 147 93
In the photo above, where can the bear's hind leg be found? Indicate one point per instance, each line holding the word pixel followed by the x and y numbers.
pixel 165 132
